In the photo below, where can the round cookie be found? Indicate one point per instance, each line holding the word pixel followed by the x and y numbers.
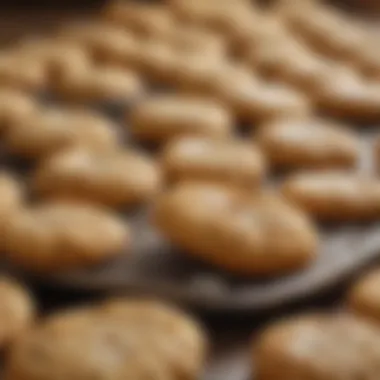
pixel 255 102
pixel 53 129
pixel 57 237
pixel 101 84
pixel 119 178
pixel 211 222
pixel 197 158
pixel 318 347
pixel 364 296
pixel 145 20
pixel 15 106
pixel 161 118
pixel 335 196
pixel 308 143
pixel 17 311
pixel 123 339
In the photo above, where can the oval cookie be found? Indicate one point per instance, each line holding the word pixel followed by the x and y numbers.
pixel 53 129
pixel 210 222
pixel 197 158
pixel 118 178
pixel 17 311
pixel 364 296
pixel 115 340
pixel 57 237
pixel 335 196
pixel 308 143
pixel 161 118
pixel 318 347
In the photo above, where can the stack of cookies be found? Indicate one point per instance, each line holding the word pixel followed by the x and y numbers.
pixel 214 98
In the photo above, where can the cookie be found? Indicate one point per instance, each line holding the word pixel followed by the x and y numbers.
pixel 256 102
pixel 98 85
pixel 118 178
pixel 335 196
pixel 210 221
pixel 363 298
pixel 15 106
pixel 318 347
pixel 105 43
pixel 145 20
pixel 18 73
pixel 117 339
pixel 57 237
pixel 308 144
pixel 17 311
pixel 346 95
pixel 197 158
pixel 54 129
pixel 158 119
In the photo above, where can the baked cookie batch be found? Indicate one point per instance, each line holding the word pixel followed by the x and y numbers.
pixel 214 99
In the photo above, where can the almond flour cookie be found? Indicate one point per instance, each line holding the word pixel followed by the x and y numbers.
pixel 57 237
pixel 145 20
pixel 54 129
pixel 15 106
pixel 318 347
pixel 335 196
pixel 197 158
pixel 364 296
pixel 308 143
pixel 161 118
pixel 255 102
pixel 17 311
pixel 118 178
pixel 123 339
pixel 233 229
pixel 101 84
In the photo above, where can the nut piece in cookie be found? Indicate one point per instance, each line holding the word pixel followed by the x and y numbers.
pixel 232 229
pixel 161 118
pixel 17 311
pixel 62 236
pixel 334 196
pixel 54 129
pixel 225 161
pixel 318 347
pixel 364 296
pixel 117 178
pixel 123 339
pixel 308 143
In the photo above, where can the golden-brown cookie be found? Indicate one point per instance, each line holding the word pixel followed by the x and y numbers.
pixel 346 95
pixel 101 84
pixel 364 296
pixel 161 118
pixel 105 43
pixel 115 340
pixel 318 347
pixel 198 158
pixel 211 222
pixel 145 20
pixel 254 102
pixel 308 143
pixel 334 195
pixel 17 311
pixel 54 129
pixel 117 178
pixel 63 236
pixel 15 106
